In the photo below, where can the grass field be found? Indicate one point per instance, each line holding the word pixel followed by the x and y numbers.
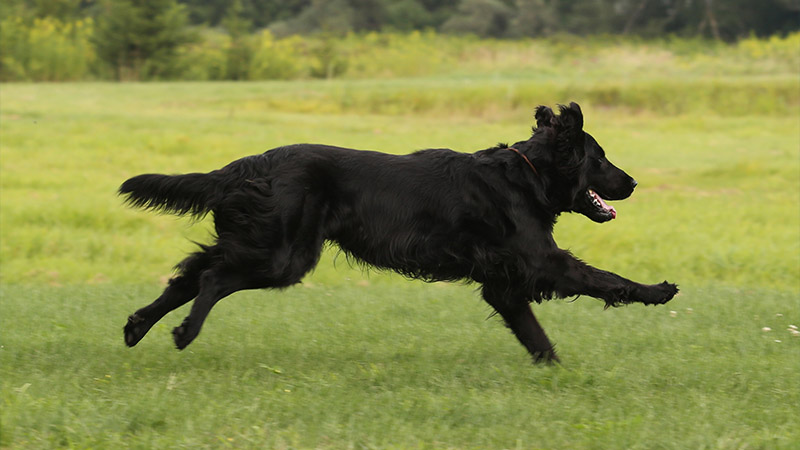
pixel 364 360
pixel 413 366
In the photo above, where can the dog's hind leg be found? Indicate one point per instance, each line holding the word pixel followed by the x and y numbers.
pixel 214 286
pixel 221 281
pixel 517 313
pixel 181 289
pixel 275 250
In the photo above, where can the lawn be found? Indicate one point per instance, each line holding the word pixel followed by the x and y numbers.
pixel 399 365
pixel 364 359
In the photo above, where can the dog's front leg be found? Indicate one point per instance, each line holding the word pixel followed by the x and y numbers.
pixel 515 309
pixel 570 277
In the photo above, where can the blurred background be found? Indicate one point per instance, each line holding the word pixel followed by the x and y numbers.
pixel 59 40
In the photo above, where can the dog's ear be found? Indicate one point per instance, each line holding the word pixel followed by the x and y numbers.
pixel 571 118
pixel 544 116
pixel 569 134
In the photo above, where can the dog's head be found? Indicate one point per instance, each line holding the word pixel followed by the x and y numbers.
pixel 582 175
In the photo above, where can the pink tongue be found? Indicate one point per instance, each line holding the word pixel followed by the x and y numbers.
pixel 605 205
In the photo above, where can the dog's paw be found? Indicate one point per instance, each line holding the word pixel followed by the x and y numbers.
pixel 658 294
pixel 548 357
pixel 184 334
pixel 135 329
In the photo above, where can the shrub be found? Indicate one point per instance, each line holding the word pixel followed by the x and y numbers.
pixel 400 55
pixel 45 49
pixel 206 59
pixel 329 61
pixel 277 59
pixel 774 49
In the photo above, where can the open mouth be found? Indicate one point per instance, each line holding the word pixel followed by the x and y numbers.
pixel 602 207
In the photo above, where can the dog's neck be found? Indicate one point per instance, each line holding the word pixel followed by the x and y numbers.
pixel 533 168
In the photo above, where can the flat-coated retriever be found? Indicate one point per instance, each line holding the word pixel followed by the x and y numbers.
pixel 434 215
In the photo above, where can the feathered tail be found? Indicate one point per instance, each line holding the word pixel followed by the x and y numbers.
pixel 192 193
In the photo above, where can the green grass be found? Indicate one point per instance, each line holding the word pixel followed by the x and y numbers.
pixel 352 359
pixel 411 366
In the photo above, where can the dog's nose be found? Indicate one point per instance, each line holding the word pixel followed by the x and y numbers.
pixel 633 183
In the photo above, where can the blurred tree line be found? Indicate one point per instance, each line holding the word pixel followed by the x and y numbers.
pixel 244 39
pixel 720 19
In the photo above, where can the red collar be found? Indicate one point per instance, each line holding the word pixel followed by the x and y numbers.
pixel 526 159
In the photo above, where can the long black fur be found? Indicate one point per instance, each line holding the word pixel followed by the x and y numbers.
pixel 434 215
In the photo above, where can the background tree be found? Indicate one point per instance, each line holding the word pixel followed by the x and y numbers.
pixel 717 19
pixel 60 9
pixel 240 52
pixel 139 39
pixel 407 15
pixel 533 18
pixel 485 18
pixel 321 16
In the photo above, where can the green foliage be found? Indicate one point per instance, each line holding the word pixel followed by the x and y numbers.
pixel 140 40
pixel 725 19
pixel 486 18
pixel 63 10
pixel 728 20
pixel 123 47
pixel 329 17
pixel 240 52
pixel 277 59
pixel 327 62
pixel 206 59
pixel 763 52
pixel 533 18
pixel 407 15
pixel 45 49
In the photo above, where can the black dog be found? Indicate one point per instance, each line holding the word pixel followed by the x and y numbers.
pixel 435 214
